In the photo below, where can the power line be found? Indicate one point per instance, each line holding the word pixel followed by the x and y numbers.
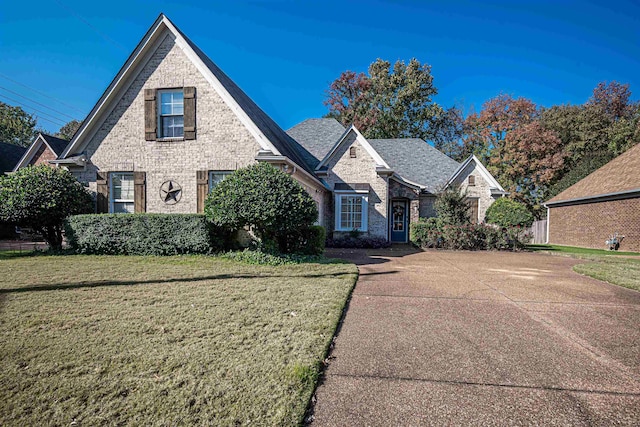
pixel 43 94
pixel 37 103
pixel 61 122
pixel 104 36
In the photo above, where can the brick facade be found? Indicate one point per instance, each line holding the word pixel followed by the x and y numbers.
pixel 222 140
pixel 481 190
pixel 43 155
pixel 361 169
pixel 590 224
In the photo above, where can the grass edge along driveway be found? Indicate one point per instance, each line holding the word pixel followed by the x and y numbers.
pixel 617 268
pixel 163 340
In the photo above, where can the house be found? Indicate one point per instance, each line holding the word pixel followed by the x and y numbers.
pixel 172 124
pixel 605 202
pixel 10 154
pixel 44 149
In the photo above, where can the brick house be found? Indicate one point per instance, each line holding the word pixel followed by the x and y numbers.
pixel 43 150
pixel 171 125
pixel 603 203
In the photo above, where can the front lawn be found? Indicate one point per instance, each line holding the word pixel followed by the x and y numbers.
pixel 107 340
pixel 618 268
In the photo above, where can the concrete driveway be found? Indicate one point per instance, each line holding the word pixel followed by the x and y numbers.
pixel 481 338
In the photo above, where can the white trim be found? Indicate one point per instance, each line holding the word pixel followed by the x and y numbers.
pixel 136 60
pixel 338 209
pixel 362 140
pixel 547 238
pixel 27 157
pixel 403 181
pixel 493 183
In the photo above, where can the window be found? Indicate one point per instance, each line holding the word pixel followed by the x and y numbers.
pixel 171 114
pixel 352 152
pixel 121 193
pixel 216 177
pixel 351 212
pixel 472 180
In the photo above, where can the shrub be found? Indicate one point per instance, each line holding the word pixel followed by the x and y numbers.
pixel 363 242
pixel 266 199
pixel 41 197
pixel 506 212
pixel 452 208
pixel 249 256
pixel 142 234
pixel 426 233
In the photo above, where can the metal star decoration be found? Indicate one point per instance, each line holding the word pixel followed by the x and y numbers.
pixel 170 192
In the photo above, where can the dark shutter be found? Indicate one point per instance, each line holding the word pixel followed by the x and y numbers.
pixel 189 113
pixel 202 178
pixel 102 197
pixel 139 192
pixel 150 115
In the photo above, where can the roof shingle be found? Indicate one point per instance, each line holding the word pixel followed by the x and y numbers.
pixel 316 137
pixel 620 174
pixel 10 154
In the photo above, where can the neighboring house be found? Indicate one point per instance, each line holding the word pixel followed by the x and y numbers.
pixel 10 155
pixel 601 204
pixel 171 125
pixel 44 149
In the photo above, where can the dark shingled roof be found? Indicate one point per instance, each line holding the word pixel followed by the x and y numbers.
pixel 620 174
pixel 278 137
pixel 416 161
pixel 57 145
pixel 10 154
pixel 316 138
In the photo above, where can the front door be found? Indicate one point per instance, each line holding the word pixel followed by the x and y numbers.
pixel 399 221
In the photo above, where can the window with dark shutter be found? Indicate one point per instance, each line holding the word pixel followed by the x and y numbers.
pixel 150 116
pixel 202 183
pixel 189 113
pixel 102 196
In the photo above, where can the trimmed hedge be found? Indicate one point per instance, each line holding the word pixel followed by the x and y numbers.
pixel 305 241
pixel 431 233
pixel 361 242
pixel 142 234
pixel 509 213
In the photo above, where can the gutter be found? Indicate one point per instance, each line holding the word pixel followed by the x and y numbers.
pixel 620 195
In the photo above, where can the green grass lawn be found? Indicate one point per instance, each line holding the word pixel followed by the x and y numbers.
pixel 100 340
pixel 611 266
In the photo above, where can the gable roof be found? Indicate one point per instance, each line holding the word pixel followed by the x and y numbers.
pixel 362 141
pixel 316 137
pixel 10 154
pixel 620 175
pixel 56 145
pixel 416 161
pixel 267 133
pixel 493 183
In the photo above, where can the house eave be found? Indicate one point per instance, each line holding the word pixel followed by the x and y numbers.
pixel 607 197
pixel 269 157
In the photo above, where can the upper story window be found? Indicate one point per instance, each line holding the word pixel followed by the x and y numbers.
pixel 121 194
pixel 472 180
pixel 216 177
pixel 171 113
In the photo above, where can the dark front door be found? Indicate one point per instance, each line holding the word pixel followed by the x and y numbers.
pixel 399 221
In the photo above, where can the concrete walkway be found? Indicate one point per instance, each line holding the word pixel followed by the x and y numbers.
pixel 485 338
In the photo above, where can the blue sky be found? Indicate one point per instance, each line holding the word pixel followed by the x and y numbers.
pixel 284 54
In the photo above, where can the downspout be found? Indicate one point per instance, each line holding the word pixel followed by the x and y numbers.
pixel 547 239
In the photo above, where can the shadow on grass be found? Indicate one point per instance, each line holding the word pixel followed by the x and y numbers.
pixel 107 283
pixel 575 250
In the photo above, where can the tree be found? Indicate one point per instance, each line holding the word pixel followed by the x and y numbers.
pixel 16 125
pixel 452 207
pixel 388 102
pixel 68 130
pixel 266 199
pixel 448 133
pixel 41 197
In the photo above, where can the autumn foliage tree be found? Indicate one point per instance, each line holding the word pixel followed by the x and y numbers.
pixel 388 102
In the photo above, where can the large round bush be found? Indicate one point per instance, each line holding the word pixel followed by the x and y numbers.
pixel 41 197
pixel 266 199
pixel 507 212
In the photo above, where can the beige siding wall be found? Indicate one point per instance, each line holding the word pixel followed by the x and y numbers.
pixel 222 141
pixel 361 169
